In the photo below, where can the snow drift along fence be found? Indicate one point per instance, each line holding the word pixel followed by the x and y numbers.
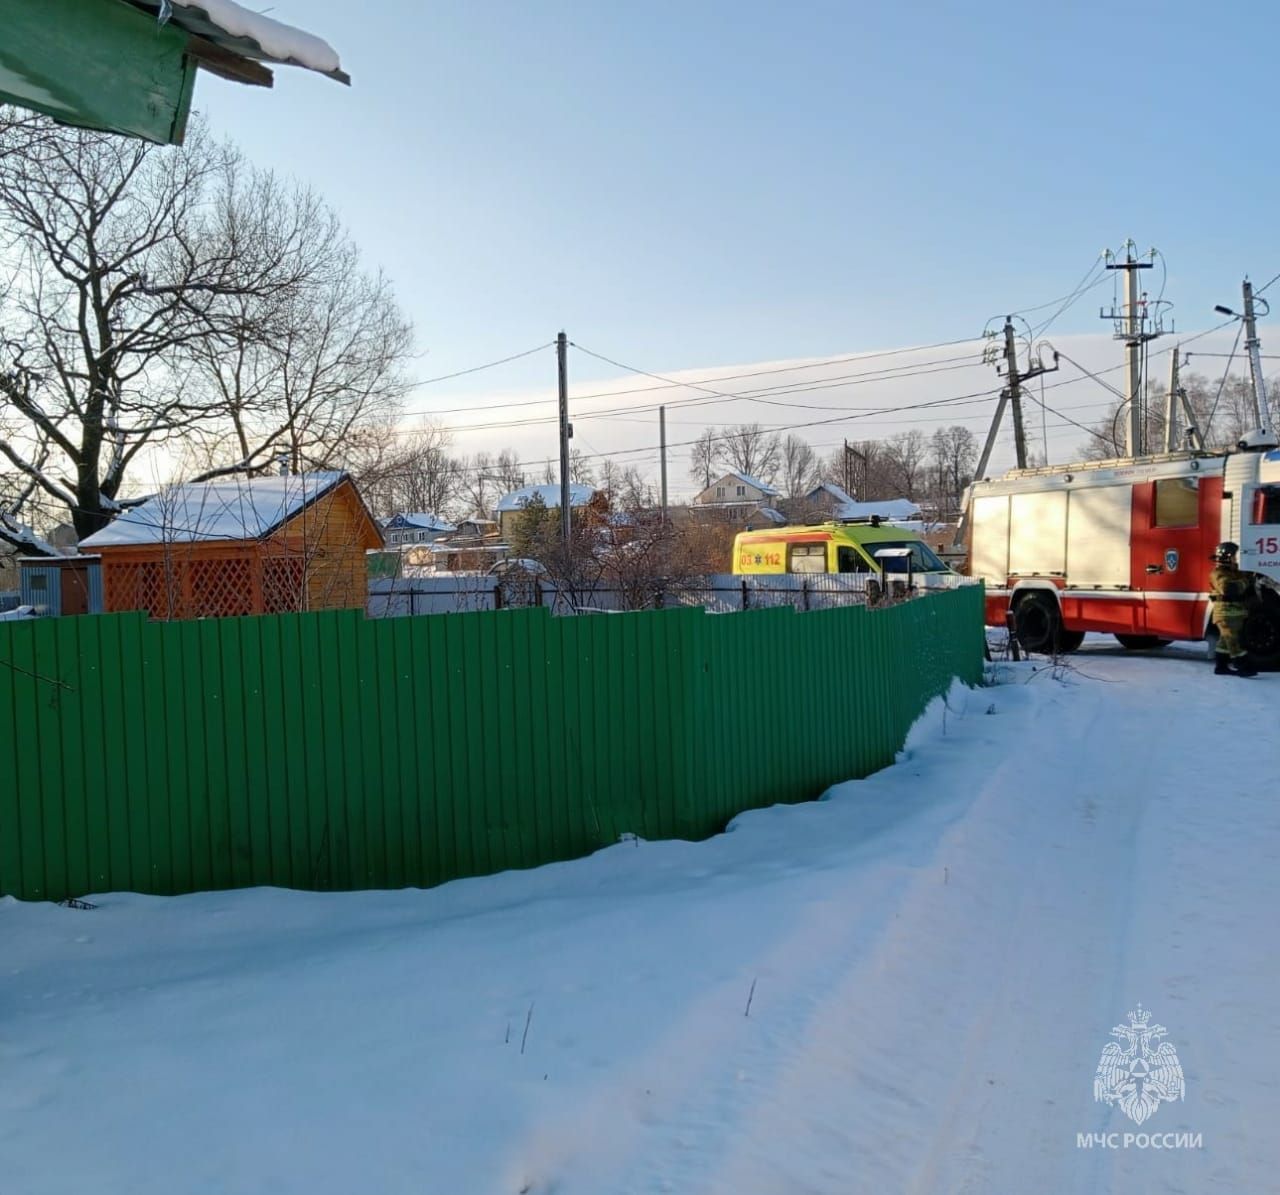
pixel 333 752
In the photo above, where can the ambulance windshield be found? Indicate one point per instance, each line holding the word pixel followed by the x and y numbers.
pixel 922 558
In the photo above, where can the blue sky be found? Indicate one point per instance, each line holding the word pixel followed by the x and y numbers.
pixel 683 185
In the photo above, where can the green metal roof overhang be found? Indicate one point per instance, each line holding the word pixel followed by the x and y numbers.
pixel 113 65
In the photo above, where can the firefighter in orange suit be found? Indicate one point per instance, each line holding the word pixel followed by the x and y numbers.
pixel 1229 591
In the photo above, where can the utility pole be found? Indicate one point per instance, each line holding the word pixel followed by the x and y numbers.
pixel 1012 393
pixel 1136 322
pixel 848 478
pixel 1015 394
pixel 981 471
pixel 1171 403
pixel 1261 409
pixel 662 441
pixel 566 431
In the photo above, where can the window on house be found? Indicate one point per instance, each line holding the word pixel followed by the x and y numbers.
pixel 850 560
pixel 742 489
pixel 719 491
pixel 1177 502
pixel 807 558
pixel 1266 504
pixel 37 582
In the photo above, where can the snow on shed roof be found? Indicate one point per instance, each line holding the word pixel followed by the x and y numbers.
pixel 579 495
pixel 839 493
pixel 271 40
pixel 241 508
pixel 888 508
pixel 762 486
pixel 424 519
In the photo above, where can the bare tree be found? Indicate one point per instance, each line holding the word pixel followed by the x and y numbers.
pixel 580 470
pixel 954 452
pixel 703 458
pixel 399 470
pixel 508 471
pixel 801 469
pixel 307 365
pixel 137 268
pixel 1223 409
pixel 905 455
pixel 476 484
pixel 750 449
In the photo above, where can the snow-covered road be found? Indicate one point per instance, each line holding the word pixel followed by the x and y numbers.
pixel 933 960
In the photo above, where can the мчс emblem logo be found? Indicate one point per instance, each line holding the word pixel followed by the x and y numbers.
pixel 1171 559
pixel 1137 1070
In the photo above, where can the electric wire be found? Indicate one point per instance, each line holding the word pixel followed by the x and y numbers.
pixel 462 373
pixel 1208 425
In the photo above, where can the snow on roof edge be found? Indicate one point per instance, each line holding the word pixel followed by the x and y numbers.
pixel 284 43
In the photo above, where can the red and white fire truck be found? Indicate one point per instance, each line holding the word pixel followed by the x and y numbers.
pixel 1123 546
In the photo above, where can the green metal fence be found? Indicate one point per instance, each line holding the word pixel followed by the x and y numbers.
pixel 330 751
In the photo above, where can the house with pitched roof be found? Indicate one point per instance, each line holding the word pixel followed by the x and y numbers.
pixel 739 499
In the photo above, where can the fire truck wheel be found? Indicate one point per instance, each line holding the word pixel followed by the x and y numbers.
pixel 1037 623
pixel 1141 642
pixel 1261 635
pixel 1070 640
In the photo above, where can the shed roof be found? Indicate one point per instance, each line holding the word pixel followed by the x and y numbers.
pixel 243 508
pixel 420 519
pixel 839 493
pixel 888 508
pixel 579 495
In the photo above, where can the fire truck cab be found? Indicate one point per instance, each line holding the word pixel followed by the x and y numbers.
pixel 1124 547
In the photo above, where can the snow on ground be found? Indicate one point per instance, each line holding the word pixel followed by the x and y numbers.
pixel 933 958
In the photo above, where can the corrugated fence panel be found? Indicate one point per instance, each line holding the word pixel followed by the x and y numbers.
pixel 328 751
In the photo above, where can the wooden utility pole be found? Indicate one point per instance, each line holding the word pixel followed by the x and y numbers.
pixel 566 431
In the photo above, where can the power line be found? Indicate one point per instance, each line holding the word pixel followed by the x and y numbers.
pixel 1226 373
pixel 1262 288
pixel 462 373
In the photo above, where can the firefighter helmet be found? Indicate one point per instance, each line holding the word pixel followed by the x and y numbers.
pixel 1227 550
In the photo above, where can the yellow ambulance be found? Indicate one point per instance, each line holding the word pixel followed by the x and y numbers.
pixel 869 547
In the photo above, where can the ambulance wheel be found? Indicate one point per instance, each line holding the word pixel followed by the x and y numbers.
pixel 1141 642
pixel 1261 635
pixel 1037 623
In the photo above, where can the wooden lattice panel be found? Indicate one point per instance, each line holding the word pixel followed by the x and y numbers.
pixel 283 584
pixel 217 588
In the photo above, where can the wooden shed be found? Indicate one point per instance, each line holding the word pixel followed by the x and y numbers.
pixel 261 545
pixel 61 585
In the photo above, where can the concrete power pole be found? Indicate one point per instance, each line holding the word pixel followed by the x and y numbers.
pixel 1015 394
pixel 1011 394
pixel 1136 322
pixel 1261 408
pixel 662 441
pixel 566 431
pixel 1171 403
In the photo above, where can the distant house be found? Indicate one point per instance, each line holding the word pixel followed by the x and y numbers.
pixel 511 506
pixel 740 499
pixel 476 527
pixel 827 498
pixel 261 545
pixel 415 529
